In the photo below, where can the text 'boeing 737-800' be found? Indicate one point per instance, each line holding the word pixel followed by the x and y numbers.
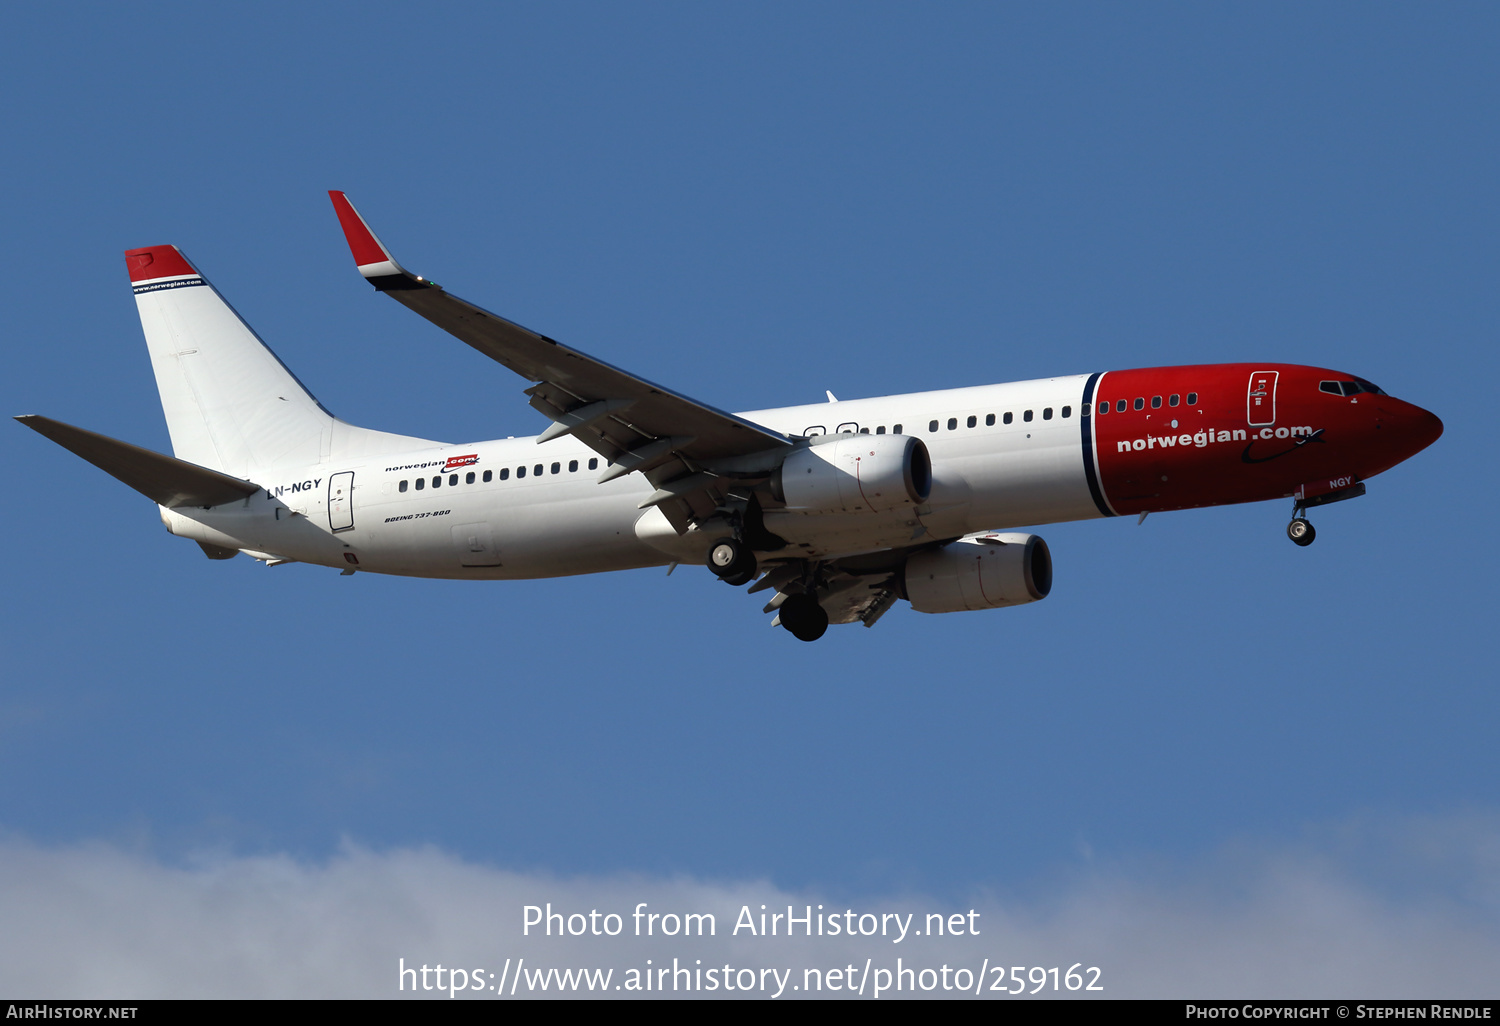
pixel 837 509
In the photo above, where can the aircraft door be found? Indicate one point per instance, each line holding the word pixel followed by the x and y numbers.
pixel 341 501
pixel 1260 402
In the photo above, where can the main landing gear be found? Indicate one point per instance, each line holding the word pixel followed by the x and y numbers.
pixel 732 561
pixel 802 615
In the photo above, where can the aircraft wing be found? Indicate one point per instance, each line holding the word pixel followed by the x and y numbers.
pixel 632 422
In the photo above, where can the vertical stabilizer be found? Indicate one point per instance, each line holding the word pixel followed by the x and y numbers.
pixel 230 403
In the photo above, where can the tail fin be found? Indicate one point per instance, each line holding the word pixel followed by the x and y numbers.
pixel 230 404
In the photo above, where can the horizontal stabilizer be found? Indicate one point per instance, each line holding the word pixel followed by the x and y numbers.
pixel 167 481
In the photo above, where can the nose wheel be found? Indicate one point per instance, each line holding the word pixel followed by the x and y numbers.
pixel 1300 531
pixel 732 561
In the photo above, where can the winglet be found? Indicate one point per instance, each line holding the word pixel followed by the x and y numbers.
pixel 374 260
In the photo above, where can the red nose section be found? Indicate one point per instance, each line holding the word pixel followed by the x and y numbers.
pixel 1425 428
pixel 1411 428
pixel 1428 428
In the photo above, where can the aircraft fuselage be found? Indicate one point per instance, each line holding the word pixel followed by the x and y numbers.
pixel 1003 456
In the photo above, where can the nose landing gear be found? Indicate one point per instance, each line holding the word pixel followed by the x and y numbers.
pixel 1300 531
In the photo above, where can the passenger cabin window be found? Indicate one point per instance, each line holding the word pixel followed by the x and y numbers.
pixel 1104 407
pixel 572 466
pixel 1192 398
pixel 952 423
pixel 401 487
pixel 453 479
pixel 880 430
pixel 520 472
pixel 1174 399
pixel 505 473
pixel 973 421
pixel 1140 403
pixel 594 463
pixel 932 425
pixel 1122 405
pixel 489 475
pixel 1026 416
pixel 1068 412
pixel 536 471
pixel 1156 402
pixel 421 483
pixel 437 482
pixel 1009 417
pixel 469 477
pixel 989 420
pixel 896 430
pixel 1047 413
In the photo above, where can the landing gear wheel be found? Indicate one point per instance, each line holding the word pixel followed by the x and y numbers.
pixel 1301 532
pixel 732 561
pixel 736 580
pixel 802 615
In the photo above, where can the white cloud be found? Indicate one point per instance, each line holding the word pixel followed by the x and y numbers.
pixel 100 921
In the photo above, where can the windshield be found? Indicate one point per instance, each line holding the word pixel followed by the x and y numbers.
pixel 1354 387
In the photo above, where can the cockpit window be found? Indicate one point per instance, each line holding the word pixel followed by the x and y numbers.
pixel 1354 387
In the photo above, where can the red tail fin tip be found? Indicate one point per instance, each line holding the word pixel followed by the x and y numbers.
pixel 157 262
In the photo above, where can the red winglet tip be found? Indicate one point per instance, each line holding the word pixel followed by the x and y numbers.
pixel 157 262
pixel 365 248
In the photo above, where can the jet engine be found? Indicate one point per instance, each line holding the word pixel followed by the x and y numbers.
pixel 984 571
pixel 855 473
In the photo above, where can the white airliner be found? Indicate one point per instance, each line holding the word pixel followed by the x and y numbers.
pixel 837 509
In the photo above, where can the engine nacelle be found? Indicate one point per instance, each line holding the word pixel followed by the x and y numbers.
pixel 983 572
pixel 855 473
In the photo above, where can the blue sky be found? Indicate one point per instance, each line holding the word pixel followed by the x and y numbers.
pixel 753 204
